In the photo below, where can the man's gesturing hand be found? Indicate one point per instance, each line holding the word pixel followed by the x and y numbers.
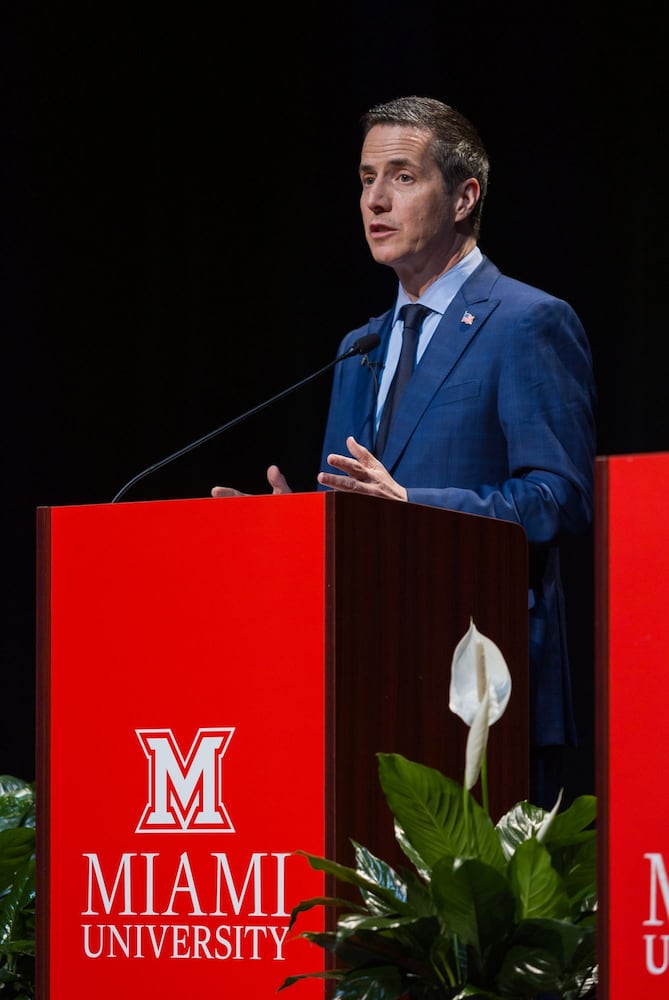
pixel 363 473
pixel 275 478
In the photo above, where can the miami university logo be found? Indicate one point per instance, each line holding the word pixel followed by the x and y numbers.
pixel 185 792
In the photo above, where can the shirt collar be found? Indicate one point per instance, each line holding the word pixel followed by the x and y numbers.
pixel 441 293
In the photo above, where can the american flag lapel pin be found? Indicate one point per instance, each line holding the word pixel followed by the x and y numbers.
pixel 467 318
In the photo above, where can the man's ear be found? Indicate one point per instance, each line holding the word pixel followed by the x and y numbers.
pixel 466 198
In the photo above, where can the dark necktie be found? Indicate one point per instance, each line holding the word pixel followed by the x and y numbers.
pixel 413 316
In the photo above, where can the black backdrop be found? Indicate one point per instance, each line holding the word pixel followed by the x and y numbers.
pixel 181 240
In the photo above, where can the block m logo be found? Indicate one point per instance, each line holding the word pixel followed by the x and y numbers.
pixel 185 793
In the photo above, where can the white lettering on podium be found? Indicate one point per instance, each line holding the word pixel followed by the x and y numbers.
pixel 253 868
pixel 657 945
pixel 189 888
pixel 656 968
pixel 658 876
pixel 225 941
pixel 134 883
pixel 95 871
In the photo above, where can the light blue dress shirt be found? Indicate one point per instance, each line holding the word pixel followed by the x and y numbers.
pixel 438 298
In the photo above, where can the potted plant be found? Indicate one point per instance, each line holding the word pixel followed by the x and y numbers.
pixel 489 910
pixel 17 888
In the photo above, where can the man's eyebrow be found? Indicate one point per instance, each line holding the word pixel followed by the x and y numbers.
pixel 400 161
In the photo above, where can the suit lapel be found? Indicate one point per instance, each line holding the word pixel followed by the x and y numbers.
pixel 461 322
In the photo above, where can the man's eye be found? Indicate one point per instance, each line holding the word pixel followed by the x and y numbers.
pixel 405 178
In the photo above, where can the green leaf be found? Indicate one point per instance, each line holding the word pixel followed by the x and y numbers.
pixel 15 902
pixel 538 888
pixel 402 941
pixel 474 902
pixel 576 819
pixel 17 846
pixel 429 809
pixel 381 983
pixel 548 955
pixel 528 971
pixel 388 899
pixel 519 824
pixel 381 874
pixel 577 865
pixel 366 944
pixel 309 904
pixel 418 895
pixel 17 802
pixel 291 980
pixel 378 984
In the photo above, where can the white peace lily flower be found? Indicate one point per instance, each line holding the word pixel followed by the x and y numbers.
pixel 479 693
pixel 478 667
pixel 477 741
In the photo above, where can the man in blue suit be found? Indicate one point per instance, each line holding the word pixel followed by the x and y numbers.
pixel 497 415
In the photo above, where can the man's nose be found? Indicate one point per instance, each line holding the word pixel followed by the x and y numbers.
pixel 376 197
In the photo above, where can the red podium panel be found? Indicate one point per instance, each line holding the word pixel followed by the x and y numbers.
pixel 632 639
pixel 215 678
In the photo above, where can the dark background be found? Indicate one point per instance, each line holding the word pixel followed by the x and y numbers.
pixel 181 240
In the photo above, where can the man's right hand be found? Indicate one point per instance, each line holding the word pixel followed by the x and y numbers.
pixel 275 478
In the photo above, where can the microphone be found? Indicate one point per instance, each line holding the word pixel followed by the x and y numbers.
pixel 361 346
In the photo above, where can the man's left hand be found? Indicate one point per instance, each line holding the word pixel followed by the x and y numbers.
pixel 363 473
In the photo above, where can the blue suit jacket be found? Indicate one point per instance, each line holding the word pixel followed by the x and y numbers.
pixel 498 420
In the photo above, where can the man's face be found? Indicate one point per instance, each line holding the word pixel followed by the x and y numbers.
pixel 409 217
